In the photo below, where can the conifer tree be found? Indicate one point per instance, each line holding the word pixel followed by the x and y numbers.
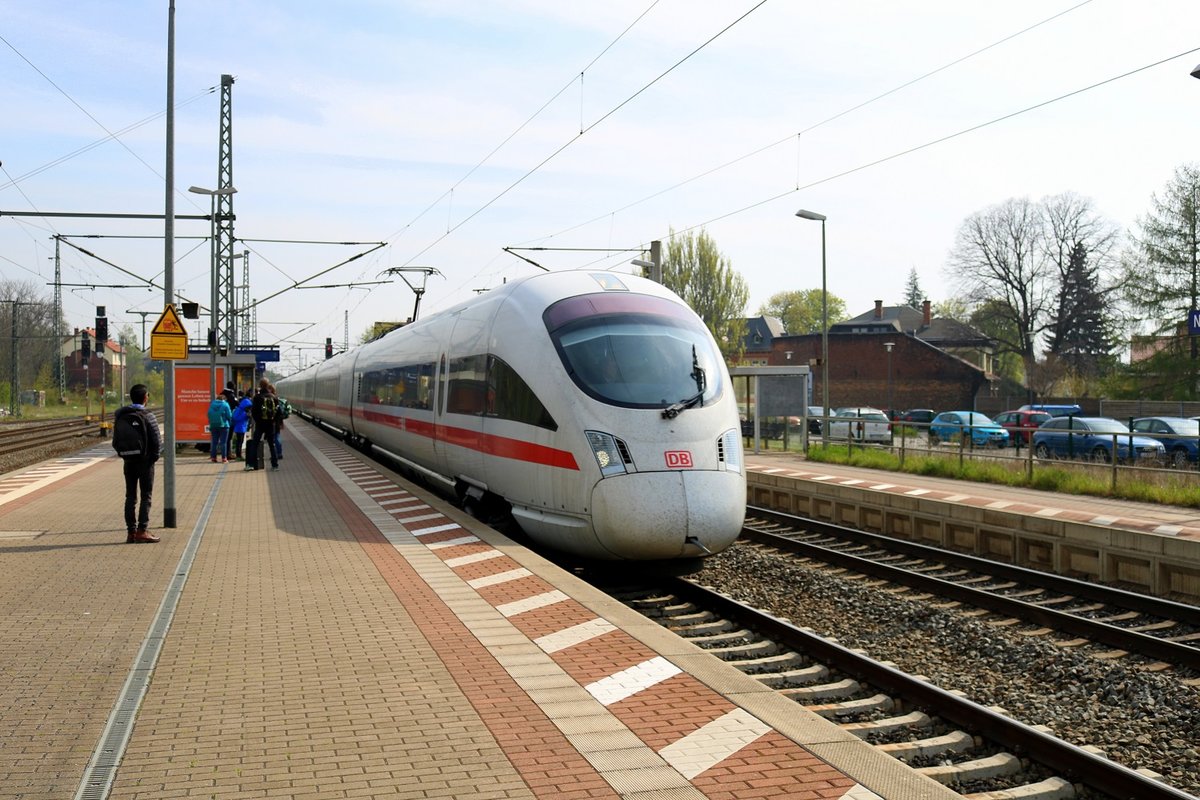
pixel 913 296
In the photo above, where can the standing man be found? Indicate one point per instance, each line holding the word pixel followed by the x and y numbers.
pixel 137 440
pixel 265 413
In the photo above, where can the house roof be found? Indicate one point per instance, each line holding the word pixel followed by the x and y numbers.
pixel 761 331
pixel 941 331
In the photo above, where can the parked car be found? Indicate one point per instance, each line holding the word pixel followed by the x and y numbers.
pixel 1092 437
pixel 860 423
pixel 919 416
pixel 1054 410
pixel 953 425
pixel 1013 421
pixel 1180 437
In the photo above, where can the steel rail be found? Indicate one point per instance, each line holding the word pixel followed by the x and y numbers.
pixel 1125 639
pixel 1075 763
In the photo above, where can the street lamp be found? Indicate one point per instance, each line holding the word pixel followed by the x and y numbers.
pixel 212 264
pixel 888 346
pixel 824 319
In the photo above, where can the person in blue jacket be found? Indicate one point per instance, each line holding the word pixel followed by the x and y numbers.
pixel 219 420
pixel 241 424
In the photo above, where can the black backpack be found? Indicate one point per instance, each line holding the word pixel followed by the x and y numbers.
pixel 269 407
pixel 131 434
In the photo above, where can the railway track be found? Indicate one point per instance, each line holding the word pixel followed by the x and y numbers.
pixel 980 752
pixel 15 438
pixel 1078 612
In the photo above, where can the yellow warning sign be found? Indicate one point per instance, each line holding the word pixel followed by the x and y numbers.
pixel 168 340
pixel 170 322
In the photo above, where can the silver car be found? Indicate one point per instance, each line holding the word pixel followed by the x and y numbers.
pixel 860 423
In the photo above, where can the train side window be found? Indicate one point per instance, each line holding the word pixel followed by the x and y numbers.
pixel 509 397
pixel 466 389
pixel 408 386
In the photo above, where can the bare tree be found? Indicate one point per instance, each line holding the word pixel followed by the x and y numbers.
pixel 1000 255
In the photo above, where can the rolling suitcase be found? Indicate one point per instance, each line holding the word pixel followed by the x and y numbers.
pixel 252 461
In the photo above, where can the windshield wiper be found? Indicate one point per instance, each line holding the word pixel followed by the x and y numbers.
pixel 672 411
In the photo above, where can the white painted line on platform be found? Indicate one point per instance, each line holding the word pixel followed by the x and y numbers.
pixel 999 504
pixel 576 634
pixel 1048 512
pixel 531 603
pixel 711 744
pixel 422 518
pixel 879 487
pixel 852 482
pixel 770 471
pixel 23 488
pixel 400 501
pixel 418 532
pixel 825 477
pixel 1103 520
pixel 452 542
pixel 918 492
pixel 956 498
pixel 1168 530
pixel 474 558
pixel 629 682
pixel 499 577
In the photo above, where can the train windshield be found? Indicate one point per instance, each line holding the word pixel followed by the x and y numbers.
pixel 637 352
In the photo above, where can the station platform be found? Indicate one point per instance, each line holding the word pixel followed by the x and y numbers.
pixel 332 631
pixel 1152 546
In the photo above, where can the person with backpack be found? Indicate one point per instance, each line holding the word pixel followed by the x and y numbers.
pixel 137 440
pixel 285 411
pixel 265 413
pixel 219 419
pixel 241 423
pixel 230 395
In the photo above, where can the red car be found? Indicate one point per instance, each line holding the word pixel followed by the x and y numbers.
pixel 1014 421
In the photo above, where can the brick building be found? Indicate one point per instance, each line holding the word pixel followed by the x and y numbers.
pixel 107 364
pixel 935 363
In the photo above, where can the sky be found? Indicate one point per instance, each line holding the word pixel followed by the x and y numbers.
pixel 452 129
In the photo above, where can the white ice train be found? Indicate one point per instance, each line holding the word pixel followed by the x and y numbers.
pixel 596 406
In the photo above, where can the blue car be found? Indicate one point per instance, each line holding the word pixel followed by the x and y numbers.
pixel 951 426
pixel 1180 437
pixel 1092 438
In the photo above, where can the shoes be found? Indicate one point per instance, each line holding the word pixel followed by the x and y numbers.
pixel 129 537
pixel 213 460
pixel 224 460
pixel 275 468
pixel 141 536
pixel 248 468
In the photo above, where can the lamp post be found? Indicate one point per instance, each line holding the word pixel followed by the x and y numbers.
pixel 888 346
pixel 824 320
pixel 212 264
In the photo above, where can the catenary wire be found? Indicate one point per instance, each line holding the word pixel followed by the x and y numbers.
pixel 584 131
pixel 793 136
pixel 522 126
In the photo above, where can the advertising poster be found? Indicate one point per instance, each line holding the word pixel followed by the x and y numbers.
pixel 192 399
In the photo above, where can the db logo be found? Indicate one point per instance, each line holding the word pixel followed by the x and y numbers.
pixel 678 459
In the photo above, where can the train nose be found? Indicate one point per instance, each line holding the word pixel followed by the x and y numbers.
pixel 650 515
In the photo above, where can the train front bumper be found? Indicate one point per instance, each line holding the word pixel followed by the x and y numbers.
pixel 679 514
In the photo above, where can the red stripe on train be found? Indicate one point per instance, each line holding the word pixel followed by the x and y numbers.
pixel 499 446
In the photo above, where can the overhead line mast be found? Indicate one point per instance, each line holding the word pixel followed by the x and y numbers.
pixel 223 225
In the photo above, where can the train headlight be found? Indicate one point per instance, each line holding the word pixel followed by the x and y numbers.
pixel 729 450
pixel 607 452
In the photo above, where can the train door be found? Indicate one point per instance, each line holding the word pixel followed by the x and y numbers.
pixel 463 402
